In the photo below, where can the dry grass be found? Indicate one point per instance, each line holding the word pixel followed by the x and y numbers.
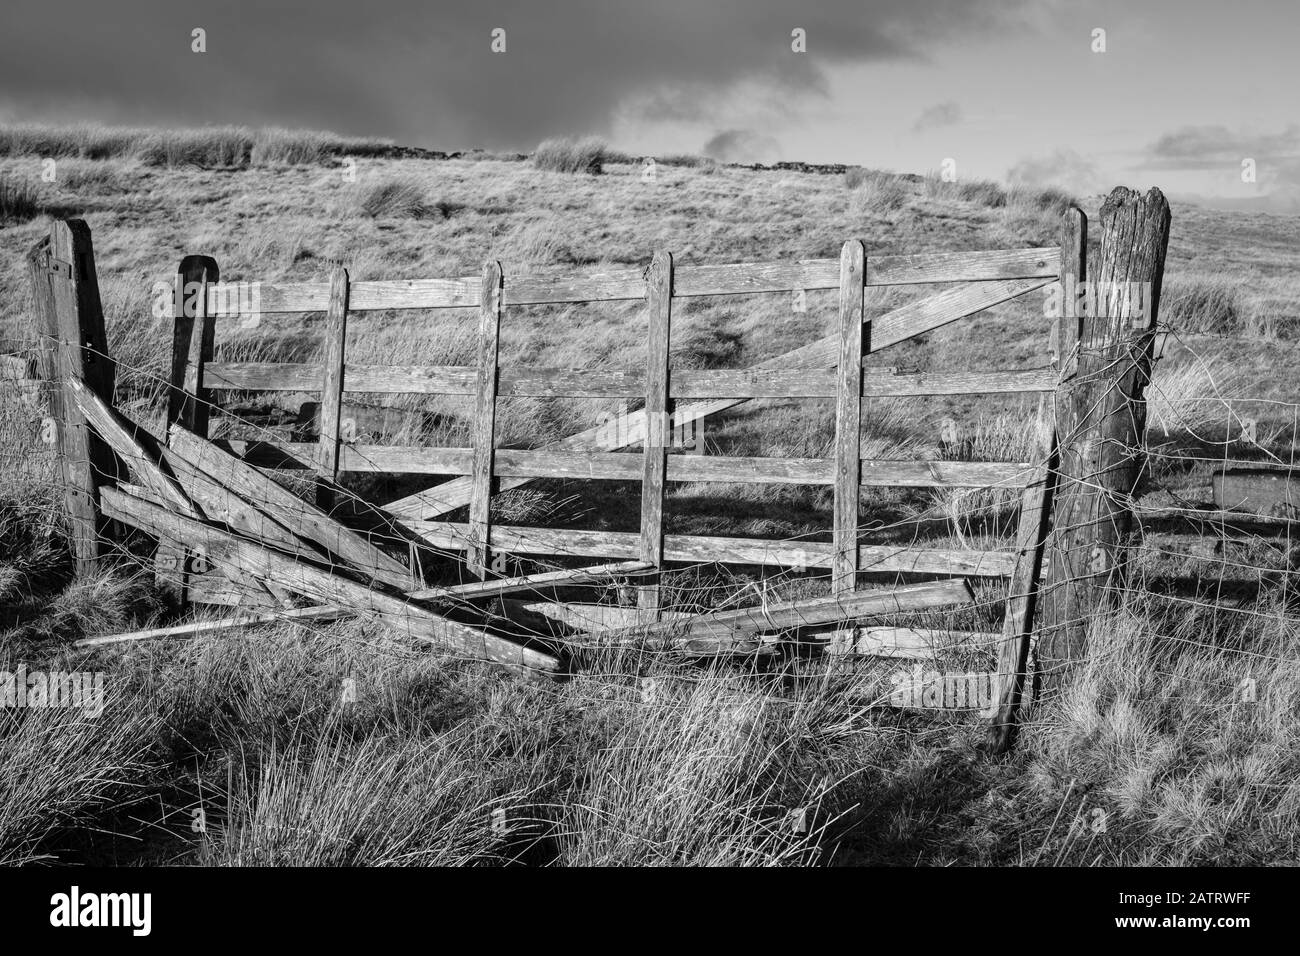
pixel 572 156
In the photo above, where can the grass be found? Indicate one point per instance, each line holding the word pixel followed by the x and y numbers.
pixel 643 759
pixel 573 156
pixel 18 201
pixel 206 147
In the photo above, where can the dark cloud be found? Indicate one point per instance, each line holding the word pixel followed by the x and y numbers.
pixel 938 116
pixel 423 72
pixel 742 146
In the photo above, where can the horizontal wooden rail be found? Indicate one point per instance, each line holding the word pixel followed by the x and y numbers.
pixel 235 299
pixel 601 383
pixel 626 466
pixel 686 548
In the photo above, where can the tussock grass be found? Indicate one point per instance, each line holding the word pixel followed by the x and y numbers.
pixel 876 189
pixel 19 201
pixel 572 156
pixel 1211 303
pixel 396 199
pixel 59 767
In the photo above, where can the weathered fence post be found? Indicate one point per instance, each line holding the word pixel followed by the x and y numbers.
pixel 188 402
pixel 74 345
pixel 483 439
pixel 659 304
pixel 1101 420
pixel 848 418
pixel 330 414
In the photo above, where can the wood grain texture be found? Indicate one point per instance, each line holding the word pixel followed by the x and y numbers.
pixel 848 419
pixel 606 383
pixel 692 549
pixel 659 297
pixel 334 347
pixel 1012 676
pixel 1101 425
pixel 723 627
pixel 75 330
pixel 301 517
pixel 193 342
pixel 558 286
pixel 316 583
pixel 535 582
pixel 483 435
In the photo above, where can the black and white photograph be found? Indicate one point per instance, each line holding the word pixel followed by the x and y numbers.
pixel 532 436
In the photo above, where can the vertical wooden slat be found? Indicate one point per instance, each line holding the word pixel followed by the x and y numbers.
pixel 68 303
pixel 188 402
pixel 485 411
pixel 659 298
pixel 848 418
pixel 1013 687
pixel 1074 273
pixel 331 398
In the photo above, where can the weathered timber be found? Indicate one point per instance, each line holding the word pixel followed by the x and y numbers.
pixel 848 419
pixel 319 584
pixel 1101 425
pixel 541 288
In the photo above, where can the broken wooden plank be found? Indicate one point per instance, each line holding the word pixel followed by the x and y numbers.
pixel 527 582
pixel 320 585
pixel 301 517
pixel 213 625
pixel 725 627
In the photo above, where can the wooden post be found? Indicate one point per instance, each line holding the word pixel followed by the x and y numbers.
pixel 485 411
pixel 848 418
pixel 1015 683
pixel 1102 422
pixel 74 346
pixel 659 299
pixel 188 401
pixel 333 358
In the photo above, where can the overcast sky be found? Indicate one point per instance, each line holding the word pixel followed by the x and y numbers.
pixel 1184 92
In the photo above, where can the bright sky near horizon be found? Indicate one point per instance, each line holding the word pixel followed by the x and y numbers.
pixel 1184 92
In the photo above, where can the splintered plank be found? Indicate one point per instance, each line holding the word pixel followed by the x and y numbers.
pixel 719 629
pixel 913 319
pixel 301 517
pixel 318 584
pixel 528 582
